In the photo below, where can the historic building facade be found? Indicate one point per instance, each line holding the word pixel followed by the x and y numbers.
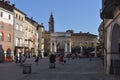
pixel 56 41
pixel 46 42
pixel 41 34
pixel 109 31
pixel 64 41
pixel 83 39
pixel 30 36
pixel 47 34
pixel 6 29
pixel 19 23
pixel 19 34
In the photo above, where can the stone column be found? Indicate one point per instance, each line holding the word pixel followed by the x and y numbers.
pixel 81 50
pixel 50 46
pixel 69 47
pixel 55 47
pixel 95 52
pixel 65 46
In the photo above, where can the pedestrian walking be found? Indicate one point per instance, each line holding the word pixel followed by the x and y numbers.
pixel 23 58
pixel 20 58
pixel 73 55
pixel 90 56
pixel 16 59
pixel 37 60
pixel 52 60
pixel 68 56
pixel 60 59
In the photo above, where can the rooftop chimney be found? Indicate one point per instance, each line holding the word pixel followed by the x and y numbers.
pixel 6 1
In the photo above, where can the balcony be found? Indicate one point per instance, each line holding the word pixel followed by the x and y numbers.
pixel 26 45
pixel 22 45
pixel 29 39
pixel 109 8
pixel 19 45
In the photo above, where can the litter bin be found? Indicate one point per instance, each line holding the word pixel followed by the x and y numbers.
pixel 26 68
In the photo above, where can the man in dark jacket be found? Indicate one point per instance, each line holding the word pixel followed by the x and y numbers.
pixel 52 61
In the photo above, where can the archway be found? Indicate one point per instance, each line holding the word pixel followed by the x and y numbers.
pixel 8 55
pixel 115 37
pixel 114 49
pixel 8 52
pixel 60 47
pixel 60 43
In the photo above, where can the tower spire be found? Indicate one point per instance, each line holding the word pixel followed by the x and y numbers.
pixel 51 23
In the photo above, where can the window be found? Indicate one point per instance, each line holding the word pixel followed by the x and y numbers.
pixel 86 44
pixel 92 44
pixel 8 38
pixel 26 27
pixel 20 41
pixel 22 18
pixel 16 26
pixel 19 17
pixel 42 34
pixel 1 37
pixel 1 26
pixel 9 17
pixel 8 52
pixel 16 42
pixel 1 14
pixel 16 15
pixel 21 28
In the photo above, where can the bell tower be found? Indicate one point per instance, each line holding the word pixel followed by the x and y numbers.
pixel 51 23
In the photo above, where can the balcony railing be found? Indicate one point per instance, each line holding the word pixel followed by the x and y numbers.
pixel 19 45
pixel 26 45
pixel 22 45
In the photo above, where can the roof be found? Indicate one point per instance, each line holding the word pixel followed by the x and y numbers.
pixel 83 34
pixel 31 21
pixel 19 11
pixel 6 6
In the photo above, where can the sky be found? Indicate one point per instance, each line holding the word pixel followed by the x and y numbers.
pixel 77 15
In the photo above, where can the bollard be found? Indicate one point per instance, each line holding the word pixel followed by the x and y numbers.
pixel 26 68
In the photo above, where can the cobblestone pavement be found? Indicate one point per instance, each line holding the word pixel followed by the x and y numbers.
pixel 77 69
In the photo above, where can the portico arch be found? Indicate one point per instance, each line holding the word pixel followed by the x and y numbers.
pixel 115 41
pixel 60 46
pixel 113 47
pixel 60 42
